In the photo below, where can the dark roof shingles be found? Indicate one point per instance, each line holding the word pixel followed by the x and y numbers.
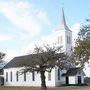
pixel 72 72
pixel 18 61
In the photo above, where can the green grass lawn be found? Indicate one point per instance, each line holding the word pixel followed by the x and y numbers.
pixel 54 88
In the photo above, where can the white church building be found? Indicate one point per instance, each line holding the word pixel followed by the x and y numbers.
pixel 56 77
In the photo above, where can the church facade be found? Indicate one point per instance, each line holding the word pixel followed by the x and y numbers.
pixel 56 77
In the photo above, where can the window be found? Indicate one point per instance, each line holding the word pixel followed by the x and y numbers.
pixel 58 74
pixel 11 76
pixel 60 39
pixel 33 76
pixel 68 39
pixel 49 76
pixel 17 76
pixel 6 76
pixel 24 76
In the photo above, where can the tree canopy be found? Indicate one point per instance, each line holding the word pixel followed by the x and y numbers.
pixel 84 32
pixel 44 59
pixel 82 51
pixel 82 46
pixel 2 55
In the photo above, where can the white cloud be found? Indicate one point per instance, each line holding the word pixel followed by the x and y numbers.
pixel 25 16
pixel 50 39
pixel 10 55
pixel 43 16
pixel 75 29
pixel 5 38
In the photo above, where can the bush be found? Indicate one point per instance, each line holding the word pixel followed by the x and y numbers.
pixel 87 80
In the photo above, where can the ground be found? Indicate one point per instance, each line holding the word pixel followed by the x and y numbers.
pixel 56 88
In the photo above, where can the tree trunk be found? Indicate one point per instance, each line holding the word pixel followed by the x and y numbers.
pixel 43 83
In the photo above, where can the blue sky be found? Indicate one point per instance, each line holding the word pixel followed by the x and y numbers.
pixel 23 22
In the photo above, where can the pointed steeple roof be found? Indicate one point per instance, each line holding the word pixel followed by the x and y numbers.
pixel 63 24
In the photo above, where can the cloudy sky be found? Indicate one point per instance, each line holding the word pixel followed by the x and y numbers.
pixel 24 22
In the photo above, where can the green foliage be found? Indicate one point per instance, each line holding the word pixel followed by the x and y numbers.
pixel 2 55
pixel 45 58
pixel 84 32
pixel 82 47
pixel 82 51
pixel 87 80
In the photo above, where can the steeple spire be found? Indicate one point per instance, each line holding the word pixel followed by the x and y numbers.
pixel 63 22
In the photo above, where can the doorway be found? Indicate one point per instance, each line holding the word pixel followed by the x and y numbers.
pixel 67 80
pixel 79 79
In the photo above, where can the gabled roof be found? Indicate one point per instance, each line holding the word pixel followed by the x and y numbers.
pixel 72 72
pixel 28 60
pixel 16 62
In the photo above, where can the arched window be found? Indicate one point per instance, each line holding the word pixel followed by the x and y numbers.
pixel 58 74
pixel 17 76
pixel 33 76
pixel 6 76
pixel 60 39
pixel 24 76
pixel 49 76
pixel 10 76
pixel 68 40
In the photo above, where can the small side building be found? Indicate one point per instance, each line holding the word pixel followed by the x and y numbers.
pixel 74 76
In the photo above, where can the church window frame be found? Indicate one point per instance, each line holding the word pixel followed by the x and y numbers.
pixel 49 76
pixel 68 39
pixel 58 74
pixel 10 76
pixel 60 39
pixel 17 76
pixel 6 76
pixel 24 76
pixel 33 76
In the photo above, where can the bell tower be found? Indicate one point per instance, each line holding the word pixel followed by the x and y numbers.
pixel 64 35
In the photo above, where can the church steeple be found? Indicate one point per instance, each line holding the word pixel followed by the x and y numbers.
pixel 63 24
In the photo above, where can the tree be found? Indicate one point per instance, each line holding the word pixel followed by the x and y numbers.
pixel 82 51
pixel 2 55
pixel 44 59
pixel 84 32
pixel 82 47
